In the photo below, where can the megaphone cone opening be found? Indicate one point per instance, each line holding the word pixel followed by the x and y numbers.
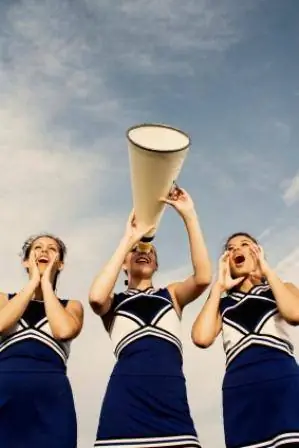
pixel 158 137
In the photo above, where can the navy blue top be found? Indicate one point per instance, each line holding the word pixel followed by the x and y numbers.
pixel 30 345
pixel 255 337
pixel 145 331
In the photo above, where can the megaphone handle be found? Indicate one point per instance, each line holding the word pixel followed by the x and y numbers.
pixel 173 187
pixel 147 239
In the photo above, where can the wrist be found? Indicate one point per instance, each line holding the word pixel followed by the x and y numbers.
pixel 218 287
pixel 46 283
pixel 127 243
pixel 268 273
pixel 34 282
pixel 189 216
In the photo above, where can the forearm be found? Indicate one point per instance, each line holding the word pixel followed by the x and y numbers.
pixel 287 301
pixel 208 323
pixel 104 283
pixel 62 323
pixel 199 253
pixel 15 308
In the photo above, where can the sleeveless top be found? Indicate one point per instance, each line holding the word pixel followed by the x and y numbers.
pixel 253 329
pixel 145 331
pixel 29 346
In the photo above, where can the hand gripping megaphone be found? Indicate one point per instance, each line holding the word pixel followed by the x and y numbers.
pixel 156 155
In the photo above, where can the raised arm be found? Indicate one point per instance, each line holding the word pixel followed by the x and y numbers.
pixel 186 291
pixel 101 291
pixel 208 323
pixel 65 322
pixel 12 310
pixel 286 294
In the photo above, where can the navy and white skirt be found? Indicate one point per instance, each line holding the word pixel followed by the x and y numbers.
pixel 261 404
pixel 146 411
pixel 36 411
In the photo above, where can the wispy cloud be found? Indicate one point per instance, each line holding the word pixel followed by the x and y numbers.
pixel 288 267
pixel 74 75
pixel 291 190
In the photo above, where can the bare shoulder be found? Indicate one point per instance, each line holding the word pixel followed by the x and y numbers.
pixel 3 299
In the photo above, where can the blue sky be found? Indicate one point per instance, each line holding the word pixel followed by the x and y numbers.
pixel 75 75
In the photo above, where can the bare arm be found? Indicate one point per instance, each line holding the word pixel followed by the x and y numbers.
pixel 188 290
pixel 207 325
pixel 101 291
pixel 12 310
pixel 65 322
pixel 286 296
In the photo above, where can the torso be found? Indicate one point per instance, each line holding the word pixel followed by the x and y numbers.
pixel 252 327
pixel 30 345
pixel 145 331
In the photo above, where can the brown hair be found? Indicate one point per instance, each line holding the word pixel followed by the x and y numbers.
pixel 27 246
pixel 234 235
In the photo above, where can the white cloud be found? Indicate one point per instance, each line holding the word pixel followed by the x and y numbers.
pixel 288 267
pixel 151 38
pixel 291 190
pixel 62 123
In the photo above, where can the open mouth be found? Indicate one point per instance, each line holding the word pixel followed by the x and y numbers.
pixel 239 259
pixel 43 260
pixel 143 259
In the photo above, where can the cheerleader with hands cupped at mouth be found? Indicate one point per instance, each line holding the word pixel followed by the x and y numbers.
pixel 253 308
pixel 36 330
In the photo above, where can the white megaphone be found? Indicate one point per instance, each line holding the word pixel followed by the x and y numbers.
pixel 156 154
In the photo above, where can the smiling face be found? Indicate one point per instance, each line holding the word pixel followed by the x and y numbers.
pixel 242 261
pixel 43 249
pixel 141 264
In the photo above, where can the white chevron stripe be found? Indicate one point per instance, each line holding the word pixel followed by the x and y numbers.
pixel 34 334
pixel 41 322
pixel 150 442
pixel 161 313
pixel 233 324
pixel 259 340
pixel 23 323
pixel 130 316
pixel 281 439
pixel 147 331
pixel 264 319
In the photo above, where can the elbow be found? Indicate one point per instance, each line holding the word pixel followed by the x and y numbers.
pixel 4 328
pixel 203 277
pixel 201 340
pixel 96 303
pixel 290 315
pixel 203 280
pixel 66 334
pixel 292 319
pixel 99 304
pixel 96 300
pixel 62 336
